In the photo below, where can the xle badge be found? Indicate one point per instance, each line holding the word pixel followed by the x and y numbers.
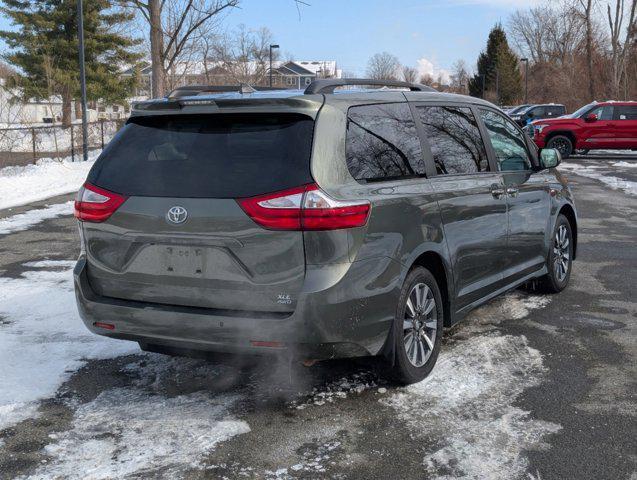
pixel 283 299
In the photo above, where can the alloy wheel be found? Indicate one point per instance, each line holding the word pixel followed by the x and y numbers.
pixel 561 145
pixel 420 324
pixel 561 253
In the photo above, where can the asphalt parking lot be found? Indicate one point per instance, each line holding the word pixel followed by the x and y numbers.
pixel 529 386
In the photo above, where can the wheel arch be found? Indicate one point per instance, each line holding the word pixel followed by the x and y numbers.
pixel 435 263
pixel 566 133
pixel 568 211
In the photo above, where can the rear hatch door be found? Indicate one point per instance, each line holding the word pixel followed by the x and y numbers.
pixel 181 238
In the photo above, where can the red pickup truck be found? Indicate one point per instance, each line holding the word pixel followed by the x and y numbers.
pixel 597 126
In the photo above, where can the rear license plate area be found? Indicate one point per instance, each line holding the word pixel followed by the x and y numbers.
pixel 187 261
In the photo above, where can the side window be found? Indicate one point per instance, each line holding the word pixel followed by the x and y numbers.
pixel 603 113
pixel 454 138
pixel 537 112
pixel 508 142
pixel 382 142
pixel 627 112
pixel 554 112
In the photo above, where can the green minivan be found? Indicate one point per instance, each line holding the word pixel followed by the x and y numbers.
pixel 355 218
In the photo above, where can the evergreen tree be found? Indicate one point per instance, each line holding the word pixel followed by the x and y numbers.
pixel 44 48
pixel 498 67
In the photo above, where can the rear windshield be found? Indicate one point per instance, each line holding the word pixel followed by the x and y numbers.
pixel 207 156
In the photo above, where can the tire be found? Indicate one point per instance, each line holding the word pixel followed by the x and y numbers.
pixel 562 144
pixel 560 259
pixel 417 338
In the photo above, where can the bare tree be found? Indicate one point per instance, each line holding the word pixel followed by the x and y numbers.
pixel 547 33
pixel 621 47
pixel 244 55
pixel 459 78
pixel 173 26
pixel 587 13
pixel 383 66
pixel 410 74
pixel 427 79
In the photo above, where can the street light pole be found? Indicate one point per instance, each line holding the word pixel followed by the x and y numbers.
pixel 80 23
pixel 271 48
pixel 526 79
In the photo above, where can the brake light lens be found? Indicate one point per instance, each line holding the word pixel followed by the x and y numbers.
pixel 95 204
pixel 305 208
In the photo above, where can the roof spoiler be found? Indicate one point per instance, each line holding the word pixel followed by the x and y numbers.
pixel 327 85
pixel 194 90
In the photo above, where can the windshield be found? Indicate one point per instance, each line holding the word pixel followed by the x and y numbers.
pixel 207 156
pixel 581 111
pixel 519 109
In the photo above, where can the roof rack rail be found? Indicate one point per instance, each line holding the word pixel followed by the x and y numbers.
pixel 194 90
pixel 327 85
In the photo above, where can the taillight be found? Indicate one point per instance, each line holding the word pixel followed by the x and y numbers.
pixel 94 204
pixel 305 208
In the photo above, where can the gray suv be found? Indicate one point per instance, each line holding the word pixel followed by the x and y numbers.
pixel 336 222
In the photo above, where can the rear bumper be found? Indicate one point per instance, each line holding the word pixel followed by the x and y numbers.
pixel 344 310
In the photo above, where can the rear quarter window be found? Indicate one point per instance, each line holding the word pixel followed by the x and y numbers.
pixel 207 156
pixel 382 143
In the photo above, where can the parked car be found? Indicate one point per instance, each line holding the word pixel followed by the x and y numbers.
pixel 598 126
pixel 316 224
pixel 537 112
pixel 515 110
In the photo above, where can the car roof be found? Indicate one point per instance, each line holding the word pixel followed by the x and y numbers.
pixel 546 105
pixel 294 97
pixel 617 102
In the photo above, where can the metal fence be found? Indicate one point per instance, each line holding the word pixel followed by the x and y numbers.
pixel 27 144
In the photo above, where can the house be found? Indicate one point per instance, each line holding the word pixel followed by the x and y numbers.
pixel 301 74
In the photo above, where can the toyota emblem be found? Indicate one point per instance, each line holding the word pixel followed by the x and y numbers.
pixel 177 215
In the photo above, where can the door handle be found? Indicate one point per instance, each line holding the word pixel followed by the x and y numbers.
pixel 497 191
pixel 512 191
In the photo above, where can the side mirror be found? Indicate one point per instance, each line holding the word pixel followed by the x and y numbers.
pixel 550 158
pixel 591 117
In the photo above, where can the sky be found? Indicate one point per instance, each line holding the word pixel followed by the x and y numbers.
pixel 426 34
pixel 429 35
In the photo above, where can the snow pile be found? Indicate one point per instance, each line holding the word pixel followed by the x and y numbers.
pixel 42 339
pixel 47 178
pixel 467 401
pixel 596 173
pixel 24 221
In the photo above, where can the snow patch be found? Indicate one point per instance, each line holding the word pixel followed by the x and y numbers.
pixel 43 340
pixel 313 462
pixel 594 172
pixel 47 178
pixel 624 164
pixel 356 383
pixel 513 306
pixel 472 390
pixel 126 432
pixel 143 427
pixel 467 403
pixel 26 220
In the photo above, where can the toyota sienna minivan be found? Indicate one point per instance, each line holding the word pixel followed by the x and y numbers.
pixel 339 221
